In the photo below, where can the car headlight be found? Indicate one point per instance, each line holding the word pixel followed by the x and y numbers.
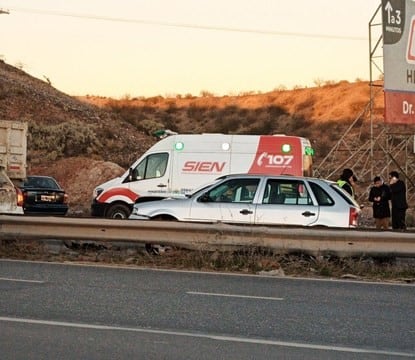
pixel 96 192
pixel 135 214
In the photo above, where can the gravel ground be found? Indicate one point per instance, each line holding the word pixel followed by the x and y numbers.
pixel 252 261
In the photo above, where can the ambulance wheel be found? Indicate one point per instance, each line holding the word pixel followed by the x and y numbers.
pixel 118 211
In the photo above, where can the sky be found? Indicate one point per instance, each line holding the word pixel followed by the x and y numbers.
pixel 144 48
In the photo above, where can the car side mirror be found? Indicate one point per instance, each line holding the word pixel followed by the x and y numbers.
pixel 132 175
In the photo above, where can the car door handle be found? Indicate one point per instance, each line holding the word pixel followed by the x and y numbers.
pixel 161 185
pixel 245 212
pixel 308 213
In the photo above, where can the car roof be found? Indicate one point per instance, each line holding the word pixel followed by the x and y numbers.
pixel 285 176
pixel 40 176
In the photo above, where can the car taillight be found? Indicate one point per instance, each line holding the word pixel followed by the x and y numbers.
pixel 19 196
pixel 65 198
pixel 353 217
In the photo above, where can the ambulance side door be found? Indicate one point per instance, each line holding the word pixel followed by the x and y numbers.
pixel 151 176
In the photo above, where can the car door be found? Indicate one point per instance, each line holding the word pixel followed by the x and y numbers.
pixel 231 201
pixel 286 202
pixel 152 175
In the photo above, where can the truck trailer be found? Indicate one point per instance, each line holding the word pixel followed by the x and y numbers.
pixel 13 150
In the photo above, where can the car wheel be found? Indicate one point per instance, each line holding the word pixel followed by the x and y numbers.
pixel 118 211
pixel 163 218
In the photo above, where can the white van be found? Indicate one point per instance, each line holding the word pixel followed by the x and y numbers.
pixel 179 163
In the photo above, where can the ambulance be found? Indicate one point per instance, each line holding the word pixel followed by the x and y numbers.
pixel 179 163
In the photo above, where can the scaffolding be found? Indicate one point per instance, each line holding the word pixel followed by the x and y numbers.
pixel 383 150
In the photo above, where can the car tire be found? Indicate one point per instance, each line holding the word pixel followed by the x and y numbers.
pixel 163 218
pixel 118 211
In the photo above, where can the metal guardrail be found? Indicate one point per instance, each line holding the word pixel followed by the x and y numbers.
pixel 197 236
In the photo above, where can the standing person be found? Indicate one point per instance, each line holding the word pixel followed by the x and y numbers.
pixel 380 195
pixel 399 204
pixel 346 181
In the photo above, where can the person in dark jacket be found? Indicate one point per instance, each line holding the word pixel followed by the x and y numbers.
pixel 346 181
pixel 380 195
pixel 398 199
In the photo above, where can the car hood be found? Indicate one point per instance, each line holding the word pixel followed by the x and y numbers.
pixel 170 201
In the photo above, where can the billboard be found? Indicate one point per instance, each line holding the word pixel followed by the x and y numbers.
pixel 398 28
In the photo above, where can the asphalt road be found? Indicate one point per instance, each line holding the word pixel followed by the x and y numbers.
pixel 59 311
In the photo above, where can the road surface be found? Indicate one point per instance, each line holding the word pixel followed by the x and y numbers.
pixel 51 311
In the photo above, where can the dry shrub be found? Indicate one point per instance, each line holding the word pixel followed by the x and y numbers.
pixel 300 123
pixel 266 126
pixel 276 111
pixel 357 106
pixel 67 139
pixel 150 126
pixel 251 260
pixel 3 92
pixel 306 105
pixel 195 112
pixel 228 124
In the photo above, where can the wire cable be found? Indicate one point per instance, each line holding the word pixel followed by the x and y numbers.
pixel 189 26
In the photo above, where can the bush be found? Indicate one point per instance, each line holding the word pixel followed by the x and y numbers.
pixel 63 140
pixel 150 126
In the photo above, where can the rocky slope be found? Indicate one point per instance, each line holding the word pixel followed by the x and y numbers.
pixel 48 111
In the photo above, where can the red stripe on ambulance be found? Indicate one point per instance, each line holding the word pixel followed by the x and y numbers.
pixel 117 192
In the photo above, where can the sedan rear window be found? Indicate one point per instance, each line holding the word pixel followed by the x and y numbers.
pixel 41 182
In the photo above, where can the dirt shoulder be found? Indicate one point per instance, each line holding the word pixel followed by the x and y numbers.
pixel 245 261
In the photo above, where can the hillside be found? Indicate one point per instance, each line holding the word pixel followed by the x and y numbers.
pixel 342 101
pixel 84 141
pixel 78 143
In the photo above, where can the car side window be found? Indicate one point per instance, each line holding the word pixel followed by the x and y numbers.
pixel 234 191
pixel 346 197
pixel 288 192
pixel 153 166
pixel 321 195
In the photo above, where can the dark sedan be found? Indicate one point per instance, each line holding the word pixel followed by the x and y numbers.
pixel 42 195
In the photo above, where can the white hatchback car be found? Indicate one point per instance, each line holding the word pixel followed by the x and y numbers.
pixel 259 200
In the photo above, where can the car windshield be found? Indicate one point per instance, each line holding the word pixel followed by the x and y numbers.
pixel 202 188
